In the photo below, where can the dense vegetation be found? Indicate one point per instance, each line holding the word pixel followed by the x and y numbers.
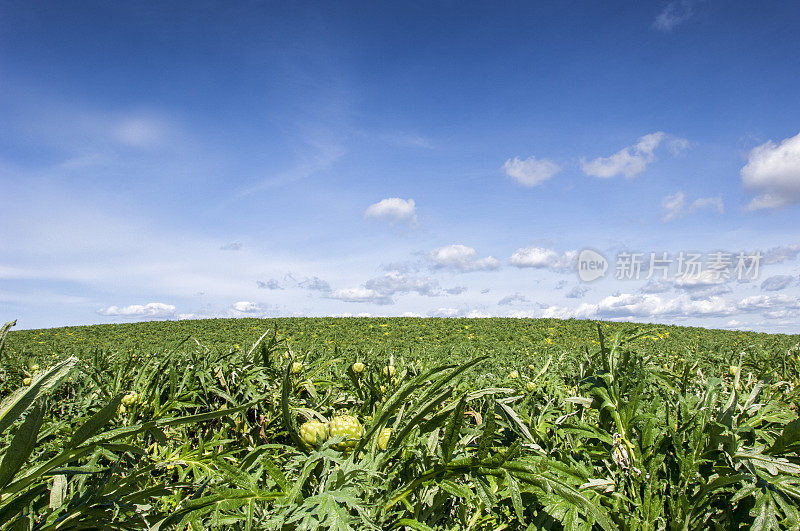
pixel 398 423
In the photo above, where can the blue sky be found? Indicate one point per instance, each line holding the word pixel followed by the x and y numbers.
pixel 201 159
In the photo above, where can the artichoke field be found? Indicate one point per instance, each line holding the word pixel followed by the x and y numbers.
pixel 617 427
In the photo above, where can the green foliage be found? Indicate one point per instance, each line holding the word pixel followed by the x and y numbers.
pixel 603 426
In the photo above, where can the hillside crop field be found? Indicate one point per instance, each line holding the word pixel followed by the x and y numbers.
pixel 398 423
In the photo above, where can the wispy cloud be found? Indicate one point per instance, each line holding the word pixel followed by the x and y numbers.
pixel 232 246
pixel 674 206
pixel 85 132
pixel 141 131
pixel 270 284
pixel 674 14
pixel 577 292
pixel 318 154
pixel 315 284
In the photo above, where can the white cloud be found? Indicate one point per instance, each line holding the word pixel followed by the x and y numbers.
pixel 560 312
pixel 315 284
pixel 577 292
pixel 461 258
pixel 646 305
pixel 704 279
pixel 456 290
pixel 776 282
pixel 394 210
pixel 156 310
pixel 530 172
pixel 705 284
pixel 643 306
pixel 246 307
pixel 361 295
pixel 403 266
pixel 673 14
pixel 777 255
pixel 131 254
pixel 632 160
pixel 657 285
pixel 709 292
pixel 543 258
pixel 512 299
pixel 458 312
pixel 477 314
pixel 396 282
pixel 639 305
pixel 380 290
pixel 445 312
pixel 654 307
pixel 232 246
pixel 270 284
pixel 771 306
pixel 699 285
pixel 773 172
